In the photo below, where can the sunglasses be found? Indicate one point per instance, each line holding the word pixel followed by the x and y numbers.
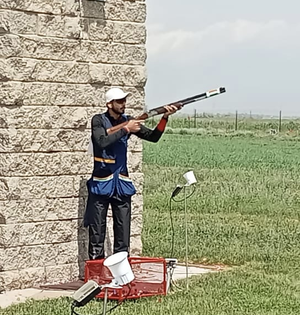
pixel 121 101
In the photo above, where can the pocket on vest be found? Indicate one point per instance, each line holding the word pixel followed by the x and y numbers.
pixel 125 186
pixel 102 186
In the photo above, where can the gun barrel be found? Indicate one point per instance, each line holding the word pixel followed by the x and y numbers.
pixel 192 99
pixel 202 96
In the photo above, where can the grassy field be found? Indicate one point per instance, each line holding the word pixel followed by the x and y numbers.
pixel 245 209
pixel 244 213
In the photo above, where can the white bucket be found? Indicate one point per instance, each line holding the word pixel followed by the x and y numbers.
pixel 190 178
pixel 119 267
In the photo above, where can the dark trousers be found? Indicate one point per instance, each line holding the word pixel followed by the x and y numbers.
pixel 95 219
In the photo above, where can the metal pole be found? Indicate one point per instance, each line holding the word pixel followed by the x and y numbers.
pixel 105 302
pixel 279 127
pixel 236 120
pixel 186 240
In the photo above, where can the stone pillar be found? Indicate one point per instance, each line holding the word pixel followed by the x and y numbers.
pixel 57 58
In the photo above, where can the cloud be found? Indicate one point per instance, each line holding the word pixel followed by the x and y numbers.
pixel 243 30
pixel 220 35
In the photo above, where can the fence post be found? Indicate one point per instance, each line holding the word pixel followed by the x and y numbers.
pixel 236 120
pixel 279 126
pixel 195 117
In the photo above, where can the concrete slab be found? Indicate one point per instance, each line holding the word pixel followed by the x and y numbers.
pixel 180 271
pixel 19 296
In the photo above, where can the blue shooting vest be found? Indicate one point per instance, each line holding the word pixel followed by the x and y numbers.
pixel 110 174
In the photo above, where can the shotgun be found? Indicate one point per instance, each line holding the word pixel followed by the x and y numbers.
pixel 161 109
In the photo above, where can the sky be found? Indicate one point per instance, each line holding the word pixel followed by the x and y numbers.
pixel 252 48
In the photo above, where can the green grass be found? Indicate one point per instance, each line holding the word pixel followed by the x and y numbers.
pixel 233 292
pixel 239 292
pixel 245 208
pixel 244 213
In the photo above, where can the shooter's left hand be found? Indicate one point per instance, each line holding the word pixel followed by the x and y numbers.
pixel 170 110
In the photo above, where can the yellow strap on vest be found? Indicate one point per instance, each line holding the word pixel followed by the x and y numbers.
pixel 99 159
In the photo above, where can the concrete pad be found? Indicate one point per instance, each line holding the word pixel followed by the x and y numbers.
pixel 180 271
pixel 52 294
pixel 18 296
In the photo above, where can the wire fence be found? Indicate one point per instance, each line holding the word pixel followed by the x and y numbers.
pixel 232 122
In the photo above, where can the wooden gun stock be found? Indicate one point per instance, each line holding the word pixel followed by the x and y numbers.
pixel 161 109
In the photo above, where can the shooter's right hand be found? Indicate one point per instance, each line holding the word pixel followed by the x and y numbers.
pixel 134 125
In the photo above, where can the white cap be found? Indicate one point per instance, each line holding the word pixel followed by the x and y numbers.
pixel 115 94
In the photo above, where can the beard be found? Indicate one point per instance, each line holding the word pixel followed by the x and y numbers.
pixel 118 111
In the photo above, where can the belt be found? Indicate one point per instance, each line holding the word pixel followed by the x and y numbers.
pixel 103 179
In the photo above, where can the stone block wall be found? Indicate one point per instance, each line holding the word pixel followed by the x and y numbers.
pixel 57 59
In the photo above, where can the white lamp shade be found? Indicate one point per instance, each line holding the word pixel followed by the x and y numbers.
pixel 120 268
pixel 190 178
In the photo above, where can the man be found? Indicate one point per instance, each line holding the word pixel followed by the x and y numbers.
pixel 110 184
